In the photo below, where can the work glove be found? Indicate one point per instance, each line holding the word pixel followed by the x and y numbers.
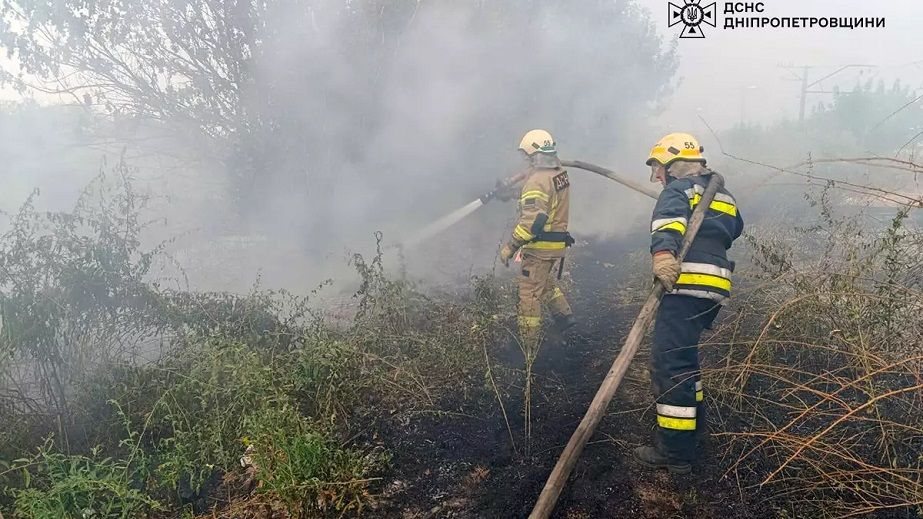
pixel 503 191
pixel 666 269
pixel 506 253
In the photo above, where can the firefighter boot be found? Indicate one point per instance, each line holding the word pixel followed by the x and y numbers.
pixel 651 458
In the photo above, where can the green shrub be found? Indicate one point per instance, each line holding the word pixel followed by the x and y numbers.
pixel 73 296
pixel 196 422
pixel 303 467
pixel 56 485
pixel 327 375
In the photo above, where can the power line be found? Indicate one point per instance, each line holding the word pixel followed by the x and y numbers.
pixel 892 114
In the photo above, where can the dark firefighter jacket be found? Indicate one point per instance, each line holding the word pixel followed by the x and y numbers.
pixel 706 270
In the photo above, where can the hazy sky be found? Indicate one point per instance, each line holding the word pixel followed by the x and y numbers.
pixel 729 76
pixel 734 74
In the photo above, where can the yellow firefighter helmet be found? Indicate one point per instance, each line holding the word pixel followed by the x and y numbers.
pixel 676 146
pixel 537 141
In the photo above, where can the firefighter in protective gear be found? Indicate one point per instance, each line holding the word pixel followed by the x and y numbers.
pixel 541 234
pixel 694 291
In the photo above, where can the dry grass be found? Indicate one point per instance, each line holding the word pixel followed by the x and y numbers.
pixel 819 378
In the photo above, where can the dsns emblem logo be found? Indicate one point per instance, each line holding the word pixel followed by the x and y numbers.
pixel 692 15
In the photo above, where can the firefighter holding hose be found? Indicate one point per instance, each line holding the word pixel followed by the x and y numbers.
pixel 694 292
pixel 541 234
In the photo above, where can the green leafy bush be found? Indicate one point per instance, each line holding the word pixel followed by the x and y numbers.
pixel 303 467
pixel 56 485
pixel 73 296
pixel 196 421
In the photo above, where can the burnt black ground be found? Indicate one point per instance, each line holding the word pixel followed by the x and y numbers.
pixel 464 466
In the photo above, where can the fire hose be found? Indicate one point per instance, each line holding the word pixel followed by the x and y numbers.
pixel 611 175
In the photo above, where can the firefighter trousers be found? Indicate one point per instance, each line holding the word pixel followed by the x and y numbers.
pixel 675 374
pixel 537 285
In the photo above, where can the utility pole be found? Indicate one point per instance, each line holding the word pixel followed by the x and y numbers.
pixel 804 94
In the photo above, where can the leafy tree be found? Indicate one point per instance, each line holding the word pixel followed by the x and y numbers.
pixel 877 118
pixel 869 119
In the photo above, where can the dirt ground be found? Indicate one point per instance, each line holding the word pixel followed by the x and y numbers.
pixel 463 466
